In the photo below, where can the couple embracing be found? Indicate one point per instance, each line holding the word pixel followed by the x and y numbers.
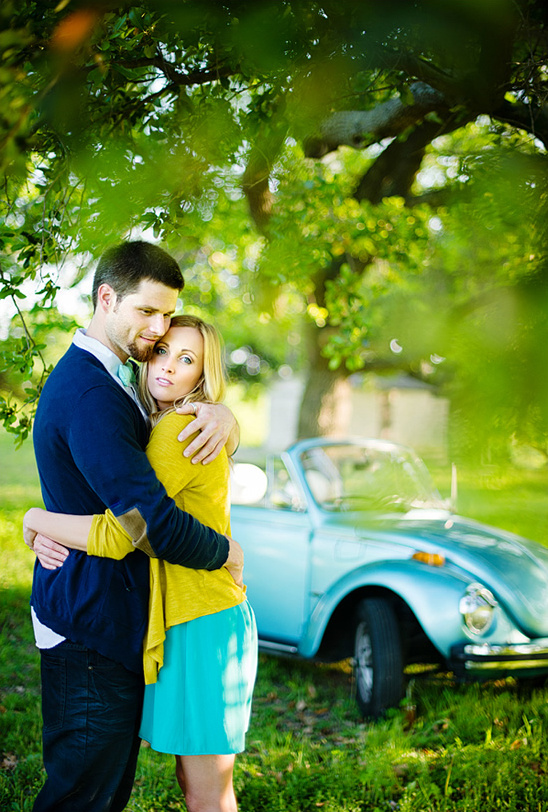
pixel 136 573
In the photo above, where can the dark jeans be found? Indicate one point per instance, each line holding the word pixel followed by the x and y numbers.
pixel 91 710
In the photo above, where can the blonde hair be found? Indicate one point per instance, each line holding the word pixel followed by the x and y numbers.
pixel 212 384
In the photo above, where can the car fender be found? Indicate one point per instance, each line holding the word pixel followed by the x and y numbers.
pixel 432 593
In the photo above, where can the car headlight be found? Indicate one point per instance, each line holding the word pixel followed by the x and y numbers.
pixel 477 607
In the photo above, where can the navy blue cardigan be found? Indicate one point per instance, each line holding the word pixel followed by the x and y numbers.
pixel 90 440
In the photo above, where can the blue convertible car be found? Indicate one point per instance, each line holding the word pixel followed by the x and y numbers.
pixel 351 552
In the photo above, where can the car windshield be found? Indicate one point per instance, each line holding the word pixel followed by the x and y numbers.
pixel 355 477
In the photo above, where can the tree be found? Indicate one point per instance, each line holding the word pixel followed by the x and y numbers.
pixel 329 117
pixel 452 66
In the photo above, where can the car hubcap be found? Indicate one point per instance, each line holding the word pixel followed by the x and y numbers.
pixel 364 662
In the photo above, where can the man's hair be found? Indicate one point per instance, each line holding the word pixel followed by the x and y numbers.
pixel 124 266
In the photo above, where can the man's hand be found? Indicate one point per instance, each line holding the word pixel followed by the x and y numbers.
pixel 216 427
pixel 235 562
pixel 49 553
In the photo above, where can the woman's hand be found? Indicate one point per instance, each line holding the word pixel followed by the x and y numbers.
pixel 216 427
pixel 49 553
pixel 235 562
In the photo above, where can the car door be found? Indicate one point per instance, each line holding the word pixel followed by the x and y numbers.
pixel 275 537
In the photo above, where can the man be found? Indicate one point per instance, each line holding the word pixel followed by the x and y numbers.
pixel 90 614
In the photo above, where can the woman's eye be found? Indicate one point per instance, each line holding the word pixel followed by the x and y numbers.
pixel 186 359
pixel 159 350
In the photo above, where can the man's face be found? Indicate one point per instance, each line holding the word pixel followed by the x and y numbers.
pixel 134 323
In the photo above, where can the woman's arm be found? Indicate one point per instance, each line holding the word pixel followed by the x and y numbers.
pixel 65 528
pixel 101 535
pixel 49 535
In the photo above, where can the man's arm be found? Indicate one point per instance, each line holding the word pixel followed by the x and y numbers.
pixel 216 426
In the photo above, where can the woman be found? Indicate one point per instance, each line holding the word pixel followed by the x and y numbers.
pixel 200 650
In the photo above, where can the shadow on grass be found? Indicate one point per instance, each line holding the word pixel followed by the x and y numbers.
pixel 20 719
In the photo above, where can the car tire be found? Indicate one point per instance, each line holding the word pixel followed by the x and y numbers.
pixel 378 657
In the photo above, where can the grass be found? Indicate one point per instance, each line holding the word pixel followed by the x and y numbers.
pixel 449 747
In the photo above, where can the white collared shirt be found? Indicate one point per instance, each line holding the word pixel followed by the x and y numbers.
pixel 109 360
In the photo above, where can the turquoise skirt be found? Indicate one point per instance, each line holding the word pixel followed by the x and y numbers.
pixel 201 703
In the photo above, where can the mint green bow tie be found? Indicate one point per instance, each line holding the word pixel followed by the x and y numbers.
pixel 126 373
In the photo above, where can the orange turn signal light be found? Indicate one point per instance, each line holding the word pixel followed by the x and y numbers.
pixel 432 559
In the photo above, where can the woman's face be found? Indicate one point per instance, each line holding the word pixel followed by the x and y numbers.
pixel 176 365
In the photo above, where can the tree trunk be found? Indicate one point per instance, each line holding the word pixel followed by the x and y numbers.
pixel 318 415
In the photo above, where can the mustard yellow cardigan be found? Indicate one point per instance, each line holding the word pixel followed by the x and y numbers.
pixel 177 594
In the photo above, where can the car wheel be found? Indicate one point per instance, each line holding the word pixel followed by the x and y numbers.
pixel 378 658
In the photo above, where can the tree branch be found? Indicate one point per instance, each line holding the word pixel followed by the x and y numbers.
pixel 415 67
pixel 360 128
pixel 256 176
pixel 394 170
pixel 526 117
pixel 175 76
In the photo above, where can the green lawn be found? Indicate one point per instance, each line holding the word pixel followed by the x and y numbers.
pixel 449 747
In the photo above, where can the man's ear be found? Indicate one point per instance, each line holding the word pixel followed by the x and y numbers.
pixel 106 297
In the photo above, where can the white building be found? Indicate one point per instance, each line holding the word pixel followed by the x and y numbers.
pixel 399 408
